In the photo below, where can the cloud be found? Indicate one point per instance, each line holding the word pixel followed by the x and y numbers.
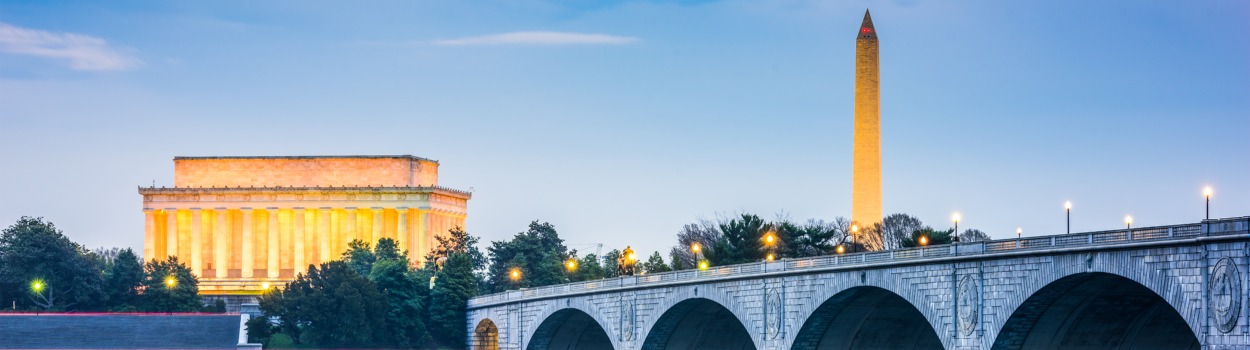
pixel 539 38
pixel 81 52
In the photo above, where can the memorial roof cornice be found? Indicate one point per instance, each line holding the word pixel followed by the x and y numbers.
pixel 244 190
pixel 403 156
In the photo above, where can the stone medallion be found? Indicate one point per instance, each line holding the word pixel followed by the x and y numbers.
pixel 1225 295
pixel 627 319
pixel 968 298
pixel 772 314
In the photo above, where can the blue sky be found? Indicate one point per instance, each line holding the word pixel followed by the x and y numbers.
pixel 620 121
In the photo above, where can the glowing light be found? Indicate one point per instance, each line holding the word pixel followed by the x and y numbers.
pixel 1207 191
pixel 1019 232
pixel 854 228
pixel 955 217
pixel 1128 219
pixel 632 256
pixel 770 257
pixel 1067 205
pixel 703 265
pixel 924 240
pixel 695 247
pixel 841 249
pixel 571 264
pixel 865 30
pixel 264 285
pixel 37 286
pixel 515 274
pixel 171 281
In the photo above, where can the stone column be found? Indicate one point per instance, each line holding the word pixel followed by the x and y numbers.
pixel 377 225
pixel 272 243
pixel 423 230
pixel 220 232
pixel 197 250
pixel 351 227
pixel 149 234
pixel 324 234
pixel 248 251
pixel 171 232
pixel 401 231
pixel 298 238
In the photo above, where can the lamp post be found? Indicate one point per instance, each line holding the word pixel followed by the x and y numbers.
pixel 170 284
pixel 1128 222
pixel 1019 233
pixel 699 262
pixel 571 265
pixel 1206 192
pixel 854 232
pixel 1067 207
pixel 515 275
pixel 37 287
pixel 955 217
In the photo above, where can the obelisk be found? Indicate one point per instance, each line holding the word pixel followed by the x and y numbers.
pixel 866 180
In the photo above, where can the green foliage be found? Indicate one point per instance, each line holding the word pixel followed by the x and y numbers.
pixel 456 241
pixel 741 241
pixel 538 252
pixel 813 238
pixel 332 305
pixel 456 283
pixel 588 268
pixel 405 300
pixel 610 268
pixel 159 295
pixel 33 249
pixel 935 237
pixel 122 280
pixel 259 330
pixel 359 256
pixel 655 264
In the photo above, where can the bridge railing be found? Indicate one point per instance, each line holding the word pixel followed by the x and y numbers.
pixel 1219 227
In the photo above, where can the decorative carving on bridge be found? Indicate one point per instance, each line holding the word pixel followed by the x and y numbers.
pixel 967 303
pixel 772 314
pixel 1225 295
pixel 627 318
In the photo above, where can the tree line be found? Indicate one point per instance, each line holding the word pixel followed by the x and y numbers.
pixel 43 270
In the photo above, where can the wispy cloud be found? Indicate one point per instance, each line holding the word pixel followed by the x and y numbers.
pixel 540 38
pixel 81 52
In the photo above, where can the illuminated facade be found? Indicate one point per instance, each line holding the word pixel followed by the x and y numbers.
pixel 241 223
pixel 866 176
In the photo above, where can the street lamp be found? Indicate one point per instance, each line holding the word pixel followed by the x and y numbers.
pixel 1128 222
pixel 924 241
pixel 702 264
pixel 841 249
pixel 1067 207
pixel 854 232
pixel 695 248
pixel 171 282
pixel 1019 232
pixel 1206 192
pixel 769 257
pixel 571 265
pixel 515 274
pixel 955 217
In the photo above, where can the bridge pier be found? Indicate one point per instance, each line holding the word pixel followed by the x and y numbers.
pixel 1175 287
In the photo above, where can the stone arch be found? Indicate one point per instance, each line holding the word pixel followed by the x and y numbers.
pixel 485 336
pixel 705 291
pixel 567 324
pixel 698 323
pixel 833 284
pixel 866 317
pixel 1065 275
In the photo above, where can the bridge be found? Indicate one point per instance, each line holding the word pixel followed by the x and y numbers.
pixel 1169 287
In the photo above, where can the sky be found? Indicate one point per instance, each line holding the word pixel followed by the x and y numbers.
pixel 620 121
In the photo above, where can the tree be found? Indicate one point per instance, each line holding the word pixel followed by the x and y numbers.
pixel 704 233
pixel 359 256
pixel 449 299
pixel 610 268
pixel 934 237
pixel 655 264
pixel 122 281
pixel 35 250
pixel 169 286
pixel 741 241
pixel 456 241
pixel 973 235
pixel 332 305
pixel 588 268
pixel 538 252
pixel 895 228
pixel 405 300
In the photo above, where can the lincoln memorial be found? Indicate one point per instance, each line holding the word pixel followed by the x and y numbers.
pixel 243 224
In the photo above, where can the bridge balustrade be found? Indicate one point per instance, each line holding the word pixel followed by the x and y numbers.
pixel 861 259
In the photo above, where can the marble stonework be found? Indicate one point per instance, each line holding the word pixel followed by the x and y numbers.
pixel 243 223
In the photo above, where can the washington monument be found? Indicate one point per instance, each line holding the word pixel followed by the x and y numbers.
pixel 866 181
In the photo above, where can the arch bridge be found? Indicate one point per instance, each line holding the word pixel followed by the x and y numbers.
pixel 1169 287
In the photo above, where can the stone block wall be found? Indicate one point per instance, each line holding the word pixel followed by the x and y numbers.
pixel 318 171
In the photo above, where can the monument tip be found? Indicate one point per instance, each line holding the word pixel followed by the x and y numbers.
pixel 866 31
